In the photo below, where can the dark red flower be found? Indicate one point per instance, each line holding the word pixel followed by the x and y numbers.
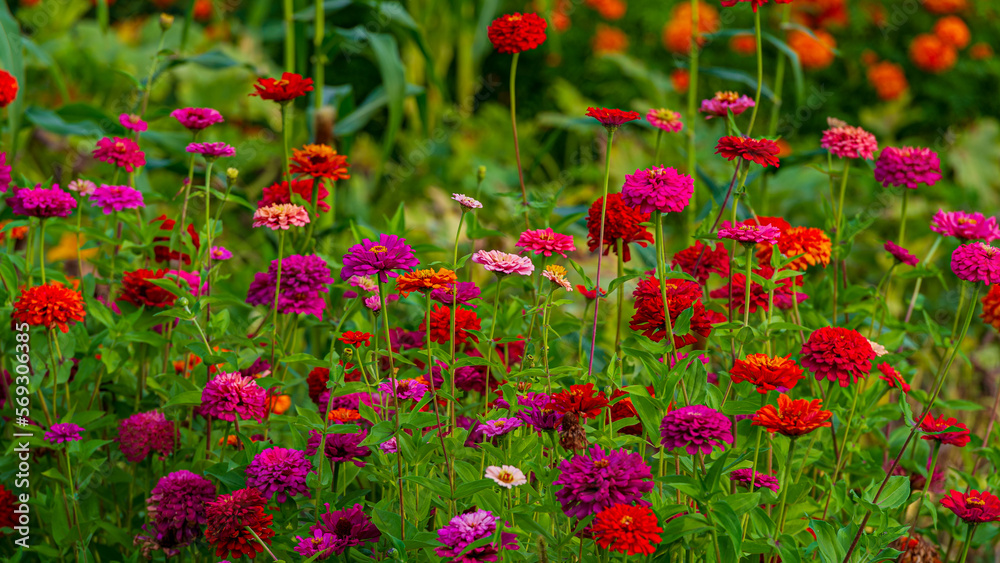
pixel 287 88
pixel 7 505
pixel 465 320
pixel 8 88
pixel 228 518
pixel 621 222
pixel 582 400
pixel 139 292
pixel 759 297
pixel 510 353
pixel 681 295
pixel 612 118
pixel 700 260
pixel 356 338
pixel 514 33
pixel 625 409
pixel 762 151
pixel 838 354
pixel 278 193
pixel 163 253
pixel 318 378
pixel 592 293
pixel 960 438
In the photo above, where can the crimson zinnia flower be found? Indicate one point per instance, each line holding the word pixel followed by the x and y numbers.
pixel 973 507
pixel 649 316
pixel 621 222
pixel 631 530
pixel 163 253
pixel 229 516
pixel 612 119
pixel 838 354
pixel 762 151
pixel 356 338
pixel 514 33
pixel 139 292
pixel 51 305
pixel 767 373
pixel 8 88
pixel 892 377
pixel 283 90
pixel 960 438
pixel 700 260
pixel 991 307
pixel 581 400
pixel 793 418
pixel 465 320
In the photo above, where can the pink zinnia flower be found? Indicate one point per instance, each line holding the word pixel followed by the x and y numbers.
pixel 723 102
pixel 82 187
pixel 4 173
pixel 502 263
pixel 197 119
pixel 546 241
pixel 696 428
pixel 229 395
pixel 900 253
pixel 977 262
pixel 658 189
pixel 116 198
pixel 907 166
pixel 665 120
pixel 211 151
pixel 221 253
pixel 280 216
pixel 121 152
pixel 41 202
pixel 846 141
pixel 750 234
pixel 467 203
pixel 132 122
pixel 965 226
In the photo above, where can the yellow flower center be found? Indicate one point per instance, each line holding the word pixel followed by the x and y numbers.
pixel 601 463
pixel 506 477
pixel 378 248
pixel 626 521
pixel 727 96
pixel 974 501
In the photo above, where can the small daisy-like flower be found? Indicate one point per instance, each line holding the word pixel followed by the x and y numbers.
pixel 546 242
pixel 907 166
pixel 120 151
pixel 724 102
pixel 319 161
pixel 196 119
pixel 82 187
pixel 281 216
pixel 612 119
pixel 284 89
pixel 64 432
pixel 900 254
pixel 506 476
pixel 557 275
pixel 381 258
pixel 750 234
pixel 502 263
pixel 132 122
pixel 221 253
pixel 467 203
pixel 665 119
pixel 116 198
pixel 211 151
pixel 762 151
pixel 516 33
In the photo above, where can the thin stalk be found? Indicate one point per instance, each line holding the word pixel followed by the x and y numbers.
pixel 545 342
pixel 277 294
pixel 916 287
pixel 319 59
pixel 838 233
pixel 661 268
pixel 208 245
pixel 513 126
pixel 843 446
pixel 621 301
pixel 785 486
pixel 289 36
pixel 779 77
pixel 430 380
pixel 902 217
pixel 489 350
pixel 968 542
pixel 760 71
pixel 600 249
pixel 285 117
pixel 41 247
pixel 692 111
pixel 79 239
pixel 927 486
pixel 392 382
pixel 656 151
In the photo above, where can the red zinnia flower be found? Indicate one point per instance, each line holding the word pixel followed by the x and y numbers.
pixel 681 295
pixel 440 331
pixel 318 378
pixel 514 33
pixel 51 305
pixel 8 88
pixel 754 3
pixel 625 409
pixel 612 119
pixel 137 291
pixel 767 373
pixel 700 260
pixel 228 518
pixel 590 293
pixel 627 529
pixel 759 297
pixel 960 438
pixel 793 418
pixel 163 253
pixel 285 89
pixel 356 338
pixel 278 193
pixel 892 377
pixel 620 222
pixel 580 400
pixel 762 151
pixel 838 354
pixel 7 504
pixel 973 507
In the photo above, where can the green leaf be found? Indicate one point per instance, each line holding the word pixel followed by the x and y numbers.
pixel 728 522
pixel 184 398
pixel 12 60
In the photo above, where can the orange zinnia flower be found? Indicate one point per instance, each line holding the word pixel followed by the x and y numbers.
pixel 319 161
pixel 812 243
pixel 280 403
pixel 991 307
pixel 16 233
pixel 931 54
pixel 888 79
pixel 51 305
pixel 344 416
pixel 793 418
pixel 953 31
pixel 816 50
pixel 767 373
pixel 424 280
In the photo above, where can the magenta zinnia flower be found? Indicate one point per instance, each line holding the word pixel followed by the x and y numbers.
pixel 658 189
pixel 502 263
pixel 461 293
pixel 846 141
pixel 116 198
pixel 665 120
pixel 132 122
pixel 696 428
pixel 64 432
pixel 221 253
pixel 197 119
pixel 348 527
pixel 281 216
pixel 176 507
pixel 977 262
pixel 41 202
pixel 380 258
pixel 546 241
pixel 319 542
pixel 4 173
pixel 597 480
pixel 469 528
pixel 279 473
pixel 121 152
pixel 907 166
pixel 965 226
pixel 723 102
pixel 229 395
pixel 144 432
pixel 750 234
pixel 748 478
pixel 340 447
pixel 901 254
pixel 499 427
pixel 211 151
pixel 304 280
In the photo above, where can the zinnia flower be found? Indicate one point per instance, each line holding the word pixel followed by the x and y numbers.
pixel 696 428
pixel 230 515
pixel 846 141
pixel 557 275
pixel 116 198
pixel 991 307
pixel 546 242
pixel 469 528
pixel 767 373
pixel 279 473
pixel 977 262
pixel 502 263
pixel 64 432
pixel 5 174
pixel 752 480
pixel 50 306
pixel 424 280
pixel 936 428
pixel 139 292
pixel 145 432
pixel 892 377
pixel 900 254
pixel 621 222
pixel 132 122
pixel 506 476
pixel 499 427
pixel 356 338
pixel 724 102
pixel 120 151
pixel 598 480
pixel 515 33
pixel 176 507
pixel 211 151
pixel 462 293
pixel 793 418
pixel 582 400
pixel 753 3
pixel 612 119
pixel 838 354
pixel 907 166
pixel 632 530
pixel 649 317
pixel 281 216
pixel 965 226
pixel 749 234
pixel 220 253
pixel 340 447
pixel 8 88
pixel 812 244
pixel 279 193
pixel 760 299
pixel 973 507
pixel 701 260
pixel 229 395
pixel 41 202
pixel 197 119
pixel 319 161
pixel 380 258
pixel 342 529
pixel 283 90
pixel 467 203
pixel 762 151
pixel 665 120
pixel 657 189
pixel 440 331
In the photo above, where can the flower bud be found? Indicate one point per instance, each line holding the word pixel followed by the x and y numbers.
pixel 232 174
pixel 166 21
pixel 481 173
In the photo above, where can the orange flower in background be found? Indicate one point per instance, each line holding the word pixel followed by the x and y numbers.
pixel 815 53
pixel 50 306
pixel 16 233
pixel 424 280
pixel 560 13
pixel 280 403
pixel 991 307
pixel 608 9
pixel 945 6
pixel 888 79
pixel 793 418
pixel 816 14
pixel 981 51
pixel 743 44
pixel 932 54
pixel 953 31
pixel 812 243
pixel 784 149
pixel 202 10
pixel 8 88
pixel 609 39
pixel 677 31
pixel 680 79
pixel 767 373
pixel 319 161
pixel 192 361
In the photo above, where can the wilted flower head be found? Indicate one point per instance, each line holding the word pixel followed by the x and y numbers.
pixel 502 263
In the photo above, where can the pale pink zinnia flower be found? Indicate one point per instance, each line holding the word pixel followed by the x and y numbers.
pixel 467 203
pixel 82 187
pixel 664 119
pixel 546 241
pixel 557 275
pixel 280 216
pixel 845 141
pixel 506 476
pixel 502 263
pixel 878 349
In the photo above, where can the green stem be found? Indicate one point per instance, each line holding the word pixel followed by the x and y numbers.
pixel 262 544
pixel 41 247
pixel 779 77
pixel 285 117
pixel 289 36
pixel 656 151
pixel 968 543
pixel 916 287
pixel 785 485
pixel 753 466
pixel 760 71
pixel 277 294
pixel 489 350
pixel 513 126
pixel 902 217
pixel 319 59
pixel 927 486
pixel 692 111
pixel 661 268
pixel 600 249
pixel 430 380
pixel 392 381
pixel 208 243
pixel 838 226
pixel 621 301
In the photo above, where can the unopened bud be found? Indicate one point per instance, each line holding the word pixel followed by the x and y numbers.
pixel 166 21
pixel 232 174
pixel 481 173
